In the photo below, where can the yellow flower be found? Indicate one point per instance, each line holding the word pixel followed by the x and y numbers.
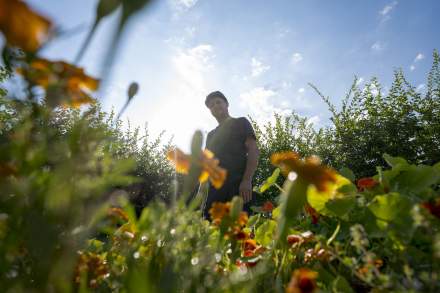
pixel 21 26
pixel 210 167
pixel 65 84
pixel 309 169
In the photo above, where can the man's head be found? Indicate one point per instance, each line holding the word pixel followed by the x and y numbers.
pixel 217 104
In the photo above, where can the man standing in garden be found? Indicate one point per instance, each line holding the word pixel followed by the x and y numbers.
pixel 233 142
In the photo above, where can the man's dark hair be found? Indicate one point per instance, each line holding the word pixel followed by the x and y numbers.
pixel 216 94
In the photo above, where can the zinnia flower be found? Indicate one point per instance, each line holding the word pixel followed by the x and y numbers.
pixel 219 209
pixel 22 27
pixel 210 167
pixel 366 183
pixel 309 169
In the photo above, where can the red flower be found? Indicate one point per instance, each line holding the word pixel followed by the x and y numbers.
pixel 366 183
pixel 313 213
pixel 433 207
pixel 267 207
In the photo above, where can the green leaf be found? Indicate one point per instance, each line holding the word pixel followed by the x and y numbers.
pixel 340 284
pixel 270 180
pixel 389 207
pixel 264 234
pixel 394 161
pixel 417 178
pixel 347 173
pixel 341 206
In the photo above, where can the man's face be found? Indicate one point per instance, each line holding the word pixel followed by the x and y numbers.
pixel 218 107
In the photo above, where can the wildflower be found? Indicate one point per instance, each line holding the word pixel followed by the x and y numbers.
pixel 267 207
pixel 366 183
pixel 64 83
pixel 309 169
pixel 242 219
pixel 22 27
pixel 292 239
pixel 118 214
pixel 94 265
pixel 433 207
pixel 303 281
pixel 209 164
pixel 249 244
pixel 219 209
pixel 313 213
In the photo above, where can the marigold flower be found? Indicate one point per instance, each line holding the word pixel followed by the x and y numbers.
pixel 67 83
pixel 219 209
pixel 242 219
pixel 267 207
pixel 303 281
pixel 309 169
pixel 366 183
pixel 21 26
pixel 249 244
pixel 210 167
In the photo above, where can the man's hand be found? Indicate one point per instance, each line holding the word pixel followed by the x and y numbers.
pixel 246 190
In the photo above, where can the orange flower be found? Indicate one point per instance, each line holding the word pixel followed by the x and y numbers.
pixel 366 183
pixel 22 27
pixel 313 213
pixel 242 219
pixel 209 164
pixel 267 207
pixel 65 83
pixel 303 281
pixel 249 244
pixel 309 169
pixel 118 214
pixel 218 210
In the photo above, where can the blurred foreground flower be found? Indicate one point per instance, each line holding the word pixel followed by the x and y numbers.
pixel 366 183
pixel 433 207
pixel 210 167
pixel 64 83
pixel 303 281
pixel 22 27
pixel 308 169
pixel 267 207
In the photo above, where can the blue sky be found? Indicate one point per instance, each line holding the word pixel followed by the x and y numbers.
pixel 261 54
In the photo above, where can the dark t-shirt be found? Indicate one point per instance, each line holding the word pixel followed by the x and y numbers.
pixel 227 142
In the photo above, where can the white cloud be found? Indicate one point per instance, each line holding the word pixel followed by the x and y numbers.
pixel 258 68
pixel 420 87
pixel 301 90
pixel 296 57
pixel 412 68
pixel 181 6
pixel 192 63
pixel 377 46
pixel 259 104
pixel 385 12
pixel 419 57
pixel 314 120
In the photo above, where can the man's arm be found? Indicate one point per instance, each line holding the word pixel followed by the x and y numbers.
pixel 251 166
